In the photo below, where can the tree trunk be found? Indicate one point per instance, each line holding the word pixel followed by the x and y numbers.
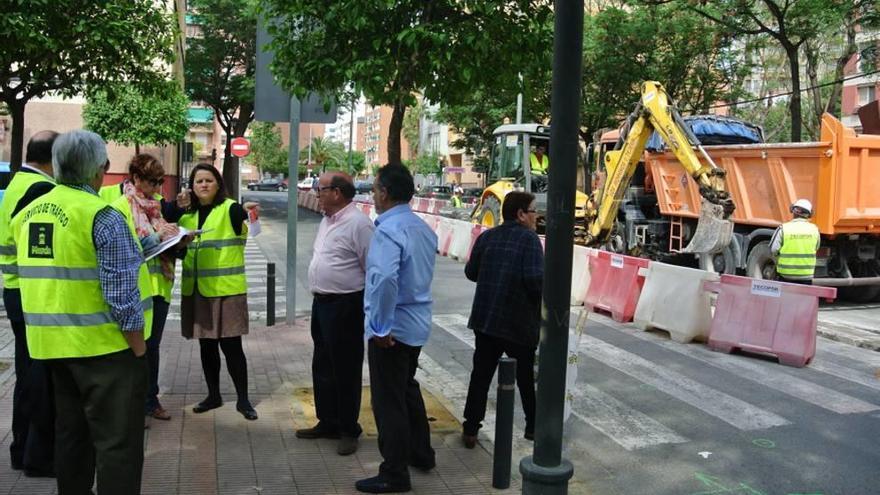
pixel 815 118
pixel 833 106
pixel 137 148
pixel 394 130
pixel 16 109
pixel 794 104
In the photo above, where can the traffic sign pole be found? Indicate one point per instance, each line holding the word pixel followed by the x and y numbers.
pixel 292 211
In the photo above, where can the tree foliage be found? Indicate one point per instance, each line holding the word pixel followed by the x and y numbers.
pixel 65 46
pixel 325 154
pixel 220 66
pixel 443 49
pixel 268 152
pixel 127 115
pixel 425 164
pixel 790 24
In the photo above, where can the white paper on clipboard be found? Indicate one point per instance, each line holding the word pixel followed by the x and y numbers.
pixel 171 241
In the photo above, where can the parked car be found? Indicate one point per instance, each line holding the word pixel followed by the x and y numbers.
pixel 435 192
pixel 307 184
pixel 363 186
pixel 267 185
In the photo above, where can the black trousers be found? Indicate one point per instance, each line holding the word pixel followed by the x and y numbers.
pixel 33 404
pixel 404 434
pixel 337 363
pixel 488 351
pixel 799 281
pixel 100 423
pixel 236 364
pixel 160 314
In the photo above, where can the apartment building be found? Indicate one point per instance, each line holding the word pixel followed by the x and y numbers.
pixel 377 120
pixel 863 81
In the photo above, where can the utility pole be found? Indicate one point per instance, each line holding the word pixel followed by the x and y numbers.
pixel 519 101
pixel 292 211
pixel 351 137
pixel 545 472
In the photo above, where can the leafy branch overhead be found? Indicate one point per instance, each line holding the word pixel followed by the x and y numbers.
pixel 443 49
pixel 66 46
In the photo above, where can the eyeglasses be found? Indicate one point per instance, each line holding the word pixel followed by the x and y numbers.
pixel 157 182
pixel 531 211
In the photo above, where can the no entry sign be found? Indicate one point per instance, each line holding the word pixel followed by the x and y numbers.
pixel 241 147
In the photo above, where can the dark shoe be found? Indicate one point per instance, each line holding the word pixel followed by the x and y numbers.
pixel 317 431
pixel 347 446
pixel 159 413
pixel 470 441
pixel 424 466
pixel 39 473
pixel 206 405
pixel 529 435
pixel 378 484
pixel 247 410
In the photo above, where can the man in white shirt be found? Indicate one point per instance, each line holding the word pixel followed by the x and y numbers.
pixel 336 280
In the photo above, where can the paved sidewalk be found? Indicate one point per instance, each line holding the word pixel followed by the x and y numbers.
pixel 221 453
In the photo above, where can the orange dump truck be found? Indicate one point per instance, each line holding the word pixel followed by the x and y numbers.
pixel 840 175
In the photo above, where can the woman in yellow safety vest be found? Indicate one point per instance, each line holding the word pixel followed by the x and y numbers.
pixel 214 301
pixel 153 220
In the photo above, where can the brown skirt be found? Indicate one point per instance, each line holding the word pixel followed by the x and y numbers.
pixel 213 317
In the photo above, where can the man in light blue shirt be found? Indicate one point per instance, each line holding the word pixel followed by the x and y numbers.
pixel 397 307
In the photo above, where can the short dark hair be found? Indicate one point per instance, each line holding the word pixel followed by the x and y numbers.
pixel 221 191
pixel 514 202
pixel 346 188
pixel 397 182
pixel 39 148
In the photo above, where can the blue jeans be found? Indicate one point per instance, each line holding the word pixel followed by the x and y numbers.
pixel 160 314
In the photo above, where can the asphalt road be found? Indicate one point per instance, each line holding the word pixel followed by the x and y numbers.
pixel 650 416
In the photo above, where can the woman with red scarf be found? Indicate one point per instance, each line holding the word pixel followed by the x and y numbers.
pixel 153 220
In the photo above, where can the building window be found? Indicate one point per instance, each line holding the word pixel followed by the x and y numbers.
pixel 867 94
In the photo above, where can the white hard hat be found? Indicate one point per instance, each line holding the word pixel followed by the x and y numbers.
pixel 804 204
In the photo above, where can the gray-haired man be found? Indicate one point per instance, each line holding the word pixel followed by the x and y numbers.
pixel 85 291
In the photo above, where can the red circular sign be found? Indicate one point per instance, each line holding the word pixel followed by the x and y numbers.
pixel 241 147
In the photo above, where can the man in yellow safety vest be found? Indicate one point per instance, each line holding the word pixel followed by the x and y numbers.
pixel 794 245
pixel 539 160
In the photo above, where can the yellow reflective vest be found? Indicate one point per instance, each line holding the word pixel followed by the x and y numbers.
pixel 21 182
pixel 797 255
pixel 64 308
pixel 215 260
pixel 539 167
pixel 110 193
pixel 160 285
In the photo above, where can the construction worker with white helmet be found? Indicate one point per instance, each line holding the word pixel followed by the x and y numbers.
pixel 795 243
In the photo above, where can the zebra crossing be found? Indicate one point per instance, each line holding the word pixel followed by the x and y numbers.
pixel 257 281
pixel 620 417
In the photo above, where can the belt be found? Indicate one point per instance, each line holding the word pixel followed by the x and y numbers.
pixel 330 297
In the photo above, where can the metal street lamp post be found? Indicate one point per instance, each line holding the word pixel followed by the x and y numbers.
pixel 546 472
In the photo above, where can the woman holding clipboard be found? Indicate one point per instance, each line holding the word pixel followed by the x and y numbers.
pixel 151 220
pixel 214 301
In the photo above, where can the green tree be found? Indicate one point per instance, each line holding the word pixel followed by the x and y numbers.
pixel 126 115
pixel 412 123
pixel 443 49
pixel 220 66
pixel 325 154
pixel 268 152
pixel 358 162
pixel 790 24
pixel 65 46
pixel 425 164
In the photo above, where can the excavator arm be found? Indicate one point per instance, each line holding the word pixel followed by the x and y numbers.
pixel 656 112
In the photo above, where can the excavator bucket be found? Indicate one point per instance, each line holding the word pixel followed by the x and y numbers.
pixel 714 232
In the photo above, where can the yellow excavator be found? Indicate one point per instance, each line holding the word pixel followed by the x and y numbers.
pixel 596 216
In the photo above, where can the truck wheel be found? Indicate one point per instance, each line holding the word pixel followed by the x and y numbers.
pixel 760 263
pixel 721 263
pixel 491 212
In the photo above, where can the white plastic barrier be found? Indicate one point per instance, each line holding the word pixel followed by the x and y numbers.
pixel 461 240
pixel 673 300
pixel 444 235
pixel 580 274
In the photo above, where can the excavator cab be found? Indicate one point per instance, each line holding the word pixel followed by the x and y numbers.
pixel 511 169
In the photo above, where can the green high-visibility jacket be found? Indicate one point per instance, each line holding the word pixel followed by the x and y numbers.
pixel 110 193
pixel 216 258
pixel 64 308
pixel 797 255
pixel 160 286
pixel 541 166
pixel 21 182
